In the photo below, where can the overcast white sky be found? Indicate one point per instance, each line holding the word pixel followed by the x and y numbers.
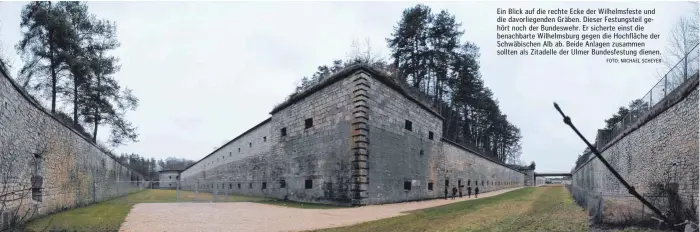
pixel 207 71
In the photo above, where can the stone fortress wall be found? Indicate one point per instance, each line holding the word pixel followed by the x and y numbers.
pixel 346 141
pixel 47 166
pixel 282 157
pixel 658 157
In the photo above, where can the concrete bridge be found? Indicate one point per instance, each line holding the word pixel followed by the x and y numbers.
pixel 567 174
pixel 538 178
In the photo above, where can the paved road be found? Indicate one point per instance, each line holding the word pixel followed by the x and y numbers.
pixel 247 216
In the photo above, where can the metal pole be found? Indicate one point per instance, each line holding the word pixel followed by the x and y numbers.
pixel 665 86
pixel 631 189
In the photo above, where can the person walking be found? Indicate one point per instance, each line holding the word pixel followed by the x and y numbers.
pixel 460 191
pixel 476 192
pixel 454 192
pixel 469 191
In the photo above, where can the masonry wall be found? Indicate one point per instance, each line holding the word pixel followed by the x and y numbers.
pixel 398 155
pixel 407 164
pixel 49 166
pixel 320 154
pixel 471 170
pixel 357 152
pixel 279 166
pixel 658 157
pixel 530 177
pixel 238 166
pixel 240 156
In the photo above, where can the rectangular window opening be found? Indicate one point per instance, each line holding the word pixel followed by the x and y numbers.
pixel 308 184
pixel 283 132
pixel 283 184
pixel 407 185
pixel 250 185
pixel 36 194
pixel 239 150
pixel 308 123
pixel 408 125
pixel 430 186
pixel 250 144
pixel 264 138
pixel 239 185
pixel 430 135
pixel 230 186
pixel 264 185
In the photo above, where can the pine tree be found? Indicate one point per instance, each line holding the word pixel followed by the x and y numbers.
pixel 444 37
pixel 45 32
pixel 409 45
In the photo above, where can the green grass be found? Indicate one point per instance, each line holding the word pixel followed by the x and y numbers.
pixel 164 196
pixel 109 215
pixel 527 209
pixel 105 216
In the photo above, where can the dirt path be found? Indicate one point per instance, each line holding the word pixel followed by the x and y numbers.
pixel 246 216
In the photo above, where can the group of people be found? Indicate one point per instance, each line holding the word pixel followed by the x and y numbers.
pixel 469 192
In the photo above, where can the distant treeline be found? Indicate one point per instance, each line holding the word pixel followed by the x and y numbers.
pixel 149 167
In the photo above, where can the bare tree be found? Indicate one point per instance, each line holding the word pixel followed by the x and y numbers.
pixel 362 53
pixel 682 39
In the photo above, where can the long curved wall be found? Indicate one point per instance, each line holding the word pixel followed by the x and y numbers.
pixel 243 149
pixel 658 157
pixel 48 164
pixel 462 164
pixel 357 150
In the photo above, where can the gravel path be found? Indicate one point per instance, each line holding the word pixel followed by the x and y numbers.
pixel 247 216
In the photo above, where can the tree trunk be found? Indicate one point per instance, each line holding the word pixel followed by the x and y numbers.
pixel 75 101
pixel 97 109
pixel 54 78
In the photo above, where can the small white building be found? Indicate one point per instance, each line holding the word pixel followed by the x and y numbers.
pixel 168 179
pixel 539 181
